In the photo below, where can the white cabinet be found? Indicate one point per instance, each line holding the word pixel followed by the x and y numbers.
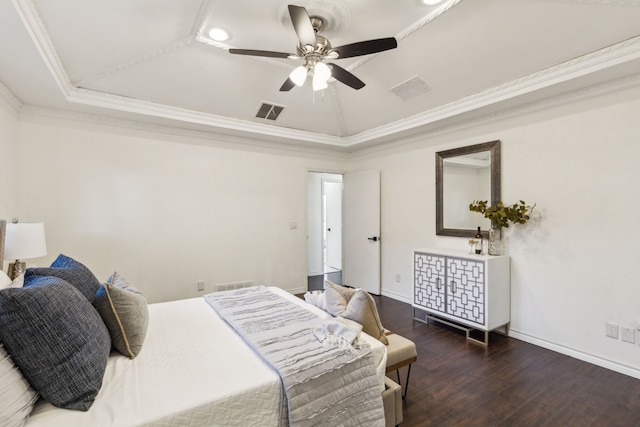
pixel 468 290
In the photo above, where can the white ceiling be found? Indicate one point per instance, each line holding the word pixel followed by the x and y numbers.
pixel 149 61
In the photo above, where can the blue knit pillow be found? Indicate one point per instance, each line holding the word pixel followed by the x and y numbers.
pixel 57 340
pixel 70 271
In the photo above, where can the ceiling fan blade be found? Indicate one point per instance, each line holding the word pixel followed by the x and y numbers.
pixel 345 77
pixel 302 25
pixel 365 47
pixel 287 85
pixel 267 53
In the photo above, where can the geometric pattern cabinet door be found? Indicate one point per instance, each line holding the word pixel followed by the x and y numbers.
pixel 465 282
pixel 467 289
pixel 429 279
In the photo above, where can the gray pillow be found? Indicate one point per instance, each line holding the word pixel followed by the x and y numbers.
pixel 356 305
pixel 72 272
pixel 337 297
pixel 57 340
pixel 17 396
pixel 124 310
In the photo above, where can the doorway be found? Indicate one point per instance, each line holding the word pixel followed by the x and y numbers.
pixel 324 229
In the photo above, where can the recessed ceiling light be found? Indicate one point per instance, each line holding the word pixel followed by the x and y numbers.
pixel 431 2
pixel 218 34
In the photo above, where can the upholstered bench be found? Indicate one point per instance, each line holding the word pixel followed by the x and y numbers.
pixel 400 352
pixel 392 402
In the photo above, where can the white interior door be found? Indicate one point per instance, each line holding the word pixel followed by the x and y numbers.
pixel 332 192
pixel 361 230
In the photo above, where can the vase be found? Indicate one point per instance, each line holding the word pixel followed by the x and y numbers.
pixel 495 233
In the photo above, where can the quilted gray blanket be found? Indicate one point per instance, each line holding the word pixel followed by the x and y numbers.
pixel 324 386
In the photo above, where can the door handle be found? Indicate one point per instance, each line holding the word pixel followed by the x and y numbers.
pixel 374 238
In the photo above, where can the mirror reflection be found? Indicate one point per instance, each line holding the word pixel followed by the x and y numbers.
pixel 465 179
pixel 463 175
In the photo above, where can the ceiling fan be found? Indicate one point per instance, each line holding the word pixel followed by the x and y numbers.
pixel 314 49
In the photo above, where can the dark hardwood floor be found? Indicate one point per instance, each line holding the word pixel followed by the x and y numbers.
pixel 510 383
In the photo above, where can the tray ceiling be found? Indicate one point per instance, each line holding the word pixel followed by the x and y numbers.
pixel 152 61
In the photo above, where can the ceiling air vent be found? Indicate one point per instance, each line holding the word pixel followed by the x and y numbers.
pixel 269 111
pixel 411 88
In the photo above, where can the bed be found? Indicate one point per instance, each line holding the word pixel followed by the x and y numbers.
pixel 193 370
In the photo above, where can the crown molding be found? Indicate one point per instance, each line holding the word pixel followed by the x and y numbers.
pixel 121 103
pixel 622 84
pixel 443 8
pixel 617 54
pixel 633 3
pixel 12 101
pixel 190 136
pixel 611 56
pixel 35 27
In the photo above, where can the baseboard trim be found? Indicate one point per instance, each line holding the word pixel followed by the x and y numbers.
pixel 296 291
pixel 396 296
pixel 598 361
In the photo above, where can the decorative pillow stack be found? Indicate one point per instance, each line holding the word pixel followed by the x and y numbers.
pixel 57 340
pixel 124 310
pixel 356 305
pixel 55 343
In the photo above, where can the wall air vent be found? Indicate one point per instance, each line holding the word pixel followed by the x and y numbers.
pixel 269 111
pixel 233 285
pixel 411 88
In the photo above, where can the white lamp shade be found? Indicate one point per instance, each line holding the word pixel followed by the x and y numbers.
pixel 299 75
pixel 321 74
pixel 24 240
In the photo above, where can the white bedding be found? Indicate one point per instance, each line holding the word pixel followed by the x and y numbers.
pixel 193 370
pixel 378 349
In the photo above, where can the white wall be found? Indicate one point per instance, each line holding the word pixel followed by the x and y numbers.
pixel 574 266
pixel 9 141
pixel 167 211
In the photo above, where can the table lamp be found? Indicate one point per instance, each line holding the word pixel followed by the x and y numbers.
pixel 23 240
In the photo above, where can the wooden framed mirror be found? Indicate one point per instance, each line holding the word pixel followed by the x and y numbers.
pixel 463 175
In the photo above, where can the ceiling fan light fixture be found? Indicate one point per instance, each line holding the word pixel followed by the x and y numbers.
pixel 431 2
pixel 321 75
pixel 299 75
pixel 319 84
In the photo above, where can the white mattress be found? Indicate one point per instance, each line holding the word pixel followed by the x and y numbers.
pixel 193 370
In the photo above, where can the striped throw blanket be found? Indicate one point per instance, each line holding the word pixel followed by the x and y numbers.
pixel 324 386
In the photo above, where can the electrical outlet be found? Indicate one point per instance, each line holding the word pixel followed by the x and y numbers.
pixel 200 286
pixel 398 278
pixel 612 330
pixel 628 334
pixel 638 335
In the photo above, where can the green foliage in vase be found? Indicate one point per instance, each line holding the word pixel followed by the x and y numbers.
pixel 502 215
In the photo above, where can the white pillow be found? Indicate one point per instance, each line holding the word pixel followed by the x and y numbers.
pixel 316 298
pixel 6 283
pixel 4 280
pixel 18 397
